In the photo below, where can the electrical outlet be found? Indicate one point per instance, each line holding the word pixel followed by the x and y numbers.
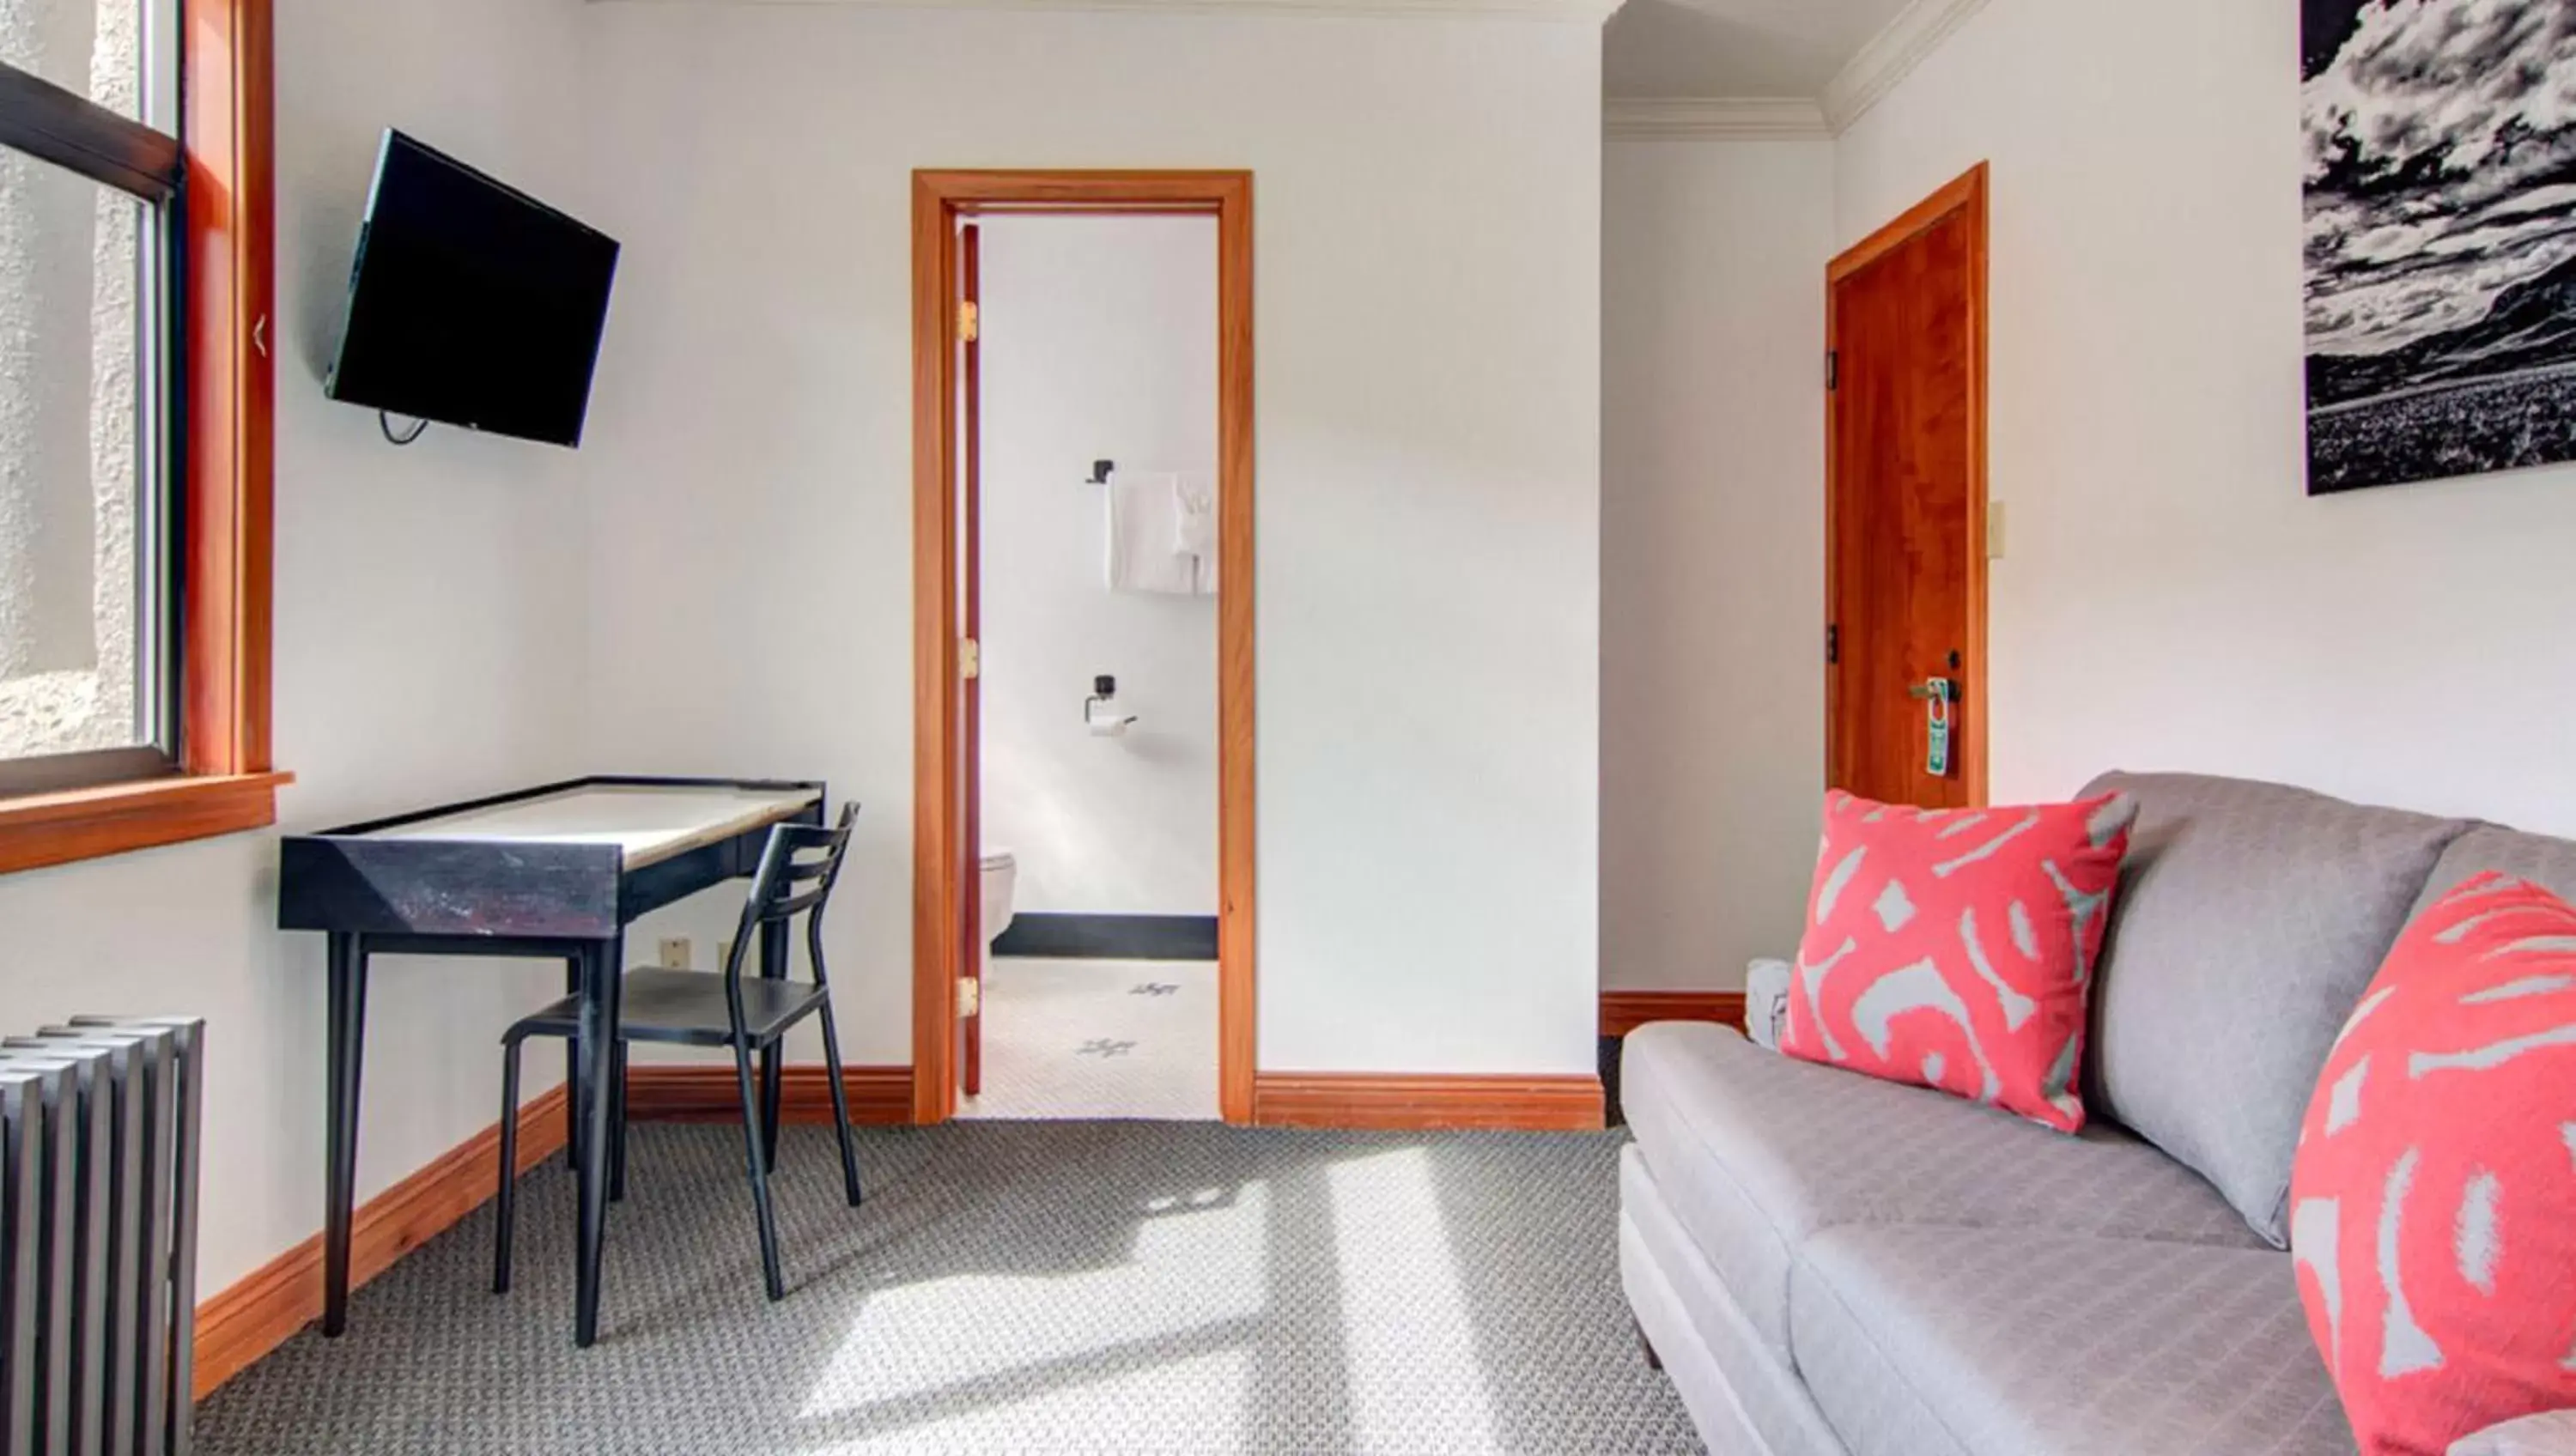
pixel 675 952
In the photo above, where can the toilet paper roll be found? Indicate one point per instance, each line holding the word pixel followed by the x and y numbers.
pixel 1111 727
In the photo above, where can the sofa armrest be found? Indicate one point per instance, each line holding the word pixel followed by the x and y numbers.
pixel 1766 1002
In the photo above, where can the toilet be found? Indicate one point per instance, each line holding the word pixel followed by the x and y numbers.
pixel 1000 871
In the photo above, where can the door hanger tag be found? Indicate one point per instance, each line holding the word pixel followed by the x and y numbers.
pixel 1937 707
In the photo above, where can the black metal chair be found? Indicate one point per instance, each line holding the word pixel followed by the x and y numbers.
pixel 715 1009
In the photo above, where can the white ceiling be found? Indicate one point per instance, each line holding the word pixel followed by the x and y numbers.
pixel 1706 48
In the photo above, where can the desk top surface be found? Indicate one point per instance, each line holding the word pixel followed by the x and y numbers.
pixel 649 822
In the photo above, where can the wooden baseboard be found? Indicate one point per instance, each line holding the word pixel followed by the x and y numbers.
pixel 1372 1102
pixel 241 1324
pixel 879 1096
pixel 1624 1011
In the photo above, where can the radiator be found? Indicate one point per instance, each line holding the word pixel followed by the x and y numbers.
pixel 98 1236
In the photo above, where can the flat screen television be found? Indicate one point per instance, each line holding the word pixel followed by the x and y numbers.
pixel 472 303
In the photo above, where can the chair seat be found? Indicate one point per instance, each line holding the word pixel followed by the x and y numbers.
pixel 684 1007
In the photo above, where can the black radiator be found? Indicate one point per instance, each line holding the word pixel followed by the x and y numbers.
pixel 99 1125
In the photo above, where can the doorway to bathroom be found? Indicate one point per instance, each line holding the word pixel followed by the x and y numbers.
pixel 1083 546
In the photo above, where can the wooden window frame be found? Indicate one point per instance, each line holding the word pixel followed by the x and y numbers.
pixel 225 552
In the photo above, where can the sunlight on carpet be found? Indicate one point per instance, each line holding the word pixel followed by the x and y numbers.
pixel 1066 1287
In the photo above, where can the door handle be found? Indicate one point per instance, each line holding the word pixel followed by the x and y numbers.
pixel 1934 690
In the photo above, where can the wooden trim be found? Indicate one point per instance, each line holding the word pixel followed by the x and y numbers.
pixel 939 199
pixel 936 892
pixel 239 1326
pixel 226 496
pixel 879 1096
pixel 1965 193
pixel 1375 1103
pixel 1967 198
pixel 1624 1011
pixel 1238 784
pixel 52 829
pixel 231 388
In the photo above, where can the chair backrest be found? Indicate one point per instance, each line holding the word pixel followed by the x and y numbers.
pixel 797 871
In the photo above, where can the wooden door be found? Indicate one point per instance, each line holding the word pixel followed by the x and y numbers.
pixel 1905 507
pixel 970 576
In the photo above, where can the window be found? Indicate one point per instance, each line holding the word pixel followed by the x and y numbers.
pixel 134 387
pixel 86 240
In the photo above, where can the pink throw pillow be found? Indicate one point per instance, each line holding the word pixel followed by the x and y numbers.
pixel 1954 948
pixel 2433 1201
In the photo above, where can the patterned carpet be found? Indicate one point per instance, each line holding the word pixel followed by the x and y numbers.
pixel 1013 1287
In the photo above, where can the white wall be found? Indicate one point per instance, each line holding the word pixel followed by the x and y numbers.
pixel 2171 597
pixel 1099 343
pixel 430 644
pixel 1712 527
pixel 1428 235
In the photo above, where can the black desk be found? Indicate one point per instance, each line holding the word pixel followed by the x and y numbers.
pixel 552 873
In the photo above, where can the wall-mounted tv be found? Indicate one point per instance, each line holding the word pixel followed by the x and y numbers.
pixel 472 303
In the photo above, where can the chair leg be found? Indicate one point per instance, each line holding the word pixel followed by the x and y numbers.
pixel 752 1141
pixel 572 1073
pixel 506 1202
pixel 840 1105
pixel 617 1119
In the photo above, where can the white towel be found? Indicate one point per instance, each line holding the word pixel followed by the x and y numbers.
pixel 1143 523
pixel 1194 498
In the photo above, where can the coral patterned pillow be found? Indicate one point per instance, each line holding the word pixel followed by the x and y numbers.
pixel 1954 948
pixel 2433 1201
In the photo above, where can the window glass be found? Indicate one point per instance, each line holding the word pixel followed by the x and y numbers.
pixel 96 48
pixel 80 557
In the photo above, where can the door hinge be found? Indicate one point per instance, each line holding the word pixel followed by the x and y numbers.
pixel 970 996
pixel 970 321
pixel 1833 369
pixel 970 659
pixel 1833 645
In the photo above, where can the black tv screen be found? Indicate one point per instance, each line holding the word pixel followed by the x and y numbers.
pixel 471 302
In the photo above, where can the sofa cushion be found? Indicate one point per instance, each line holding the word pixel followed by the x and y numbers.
pixel 2548 863
pixel 2013 1343
pixel 1755 1152
pixel 1952 948
pixel 1694 1321
pixel 2249 918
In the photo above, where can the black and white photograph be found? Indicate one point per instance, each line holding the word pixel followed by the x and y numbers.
pixel 2441 238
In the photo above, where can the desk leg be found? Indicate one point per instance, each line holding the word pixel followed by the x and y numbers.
pixel 773 967
pixel 347 1014
pixel 601 983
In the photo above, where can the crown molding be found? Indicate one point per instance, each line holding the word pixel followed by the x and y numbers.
pixel 1738 119
pixel 1890 56
pixel 1593 12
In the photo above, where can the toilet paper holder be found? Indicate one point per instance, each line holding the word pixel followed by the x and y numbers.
pixel 1104 693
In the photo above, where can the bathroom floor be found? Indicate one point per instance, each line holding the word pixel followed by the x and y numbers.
pixel 1075 1040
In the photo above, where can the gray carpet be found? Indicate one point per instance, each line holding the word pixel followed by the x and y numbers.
pixel 1013 1287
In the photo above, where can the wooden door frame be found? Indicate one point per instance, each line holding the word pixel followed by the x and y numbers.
pixel 939 200
pixel 1965 199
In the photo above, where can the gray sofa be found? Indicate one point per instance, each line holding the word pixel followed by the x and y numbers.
pixel 1827 1264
